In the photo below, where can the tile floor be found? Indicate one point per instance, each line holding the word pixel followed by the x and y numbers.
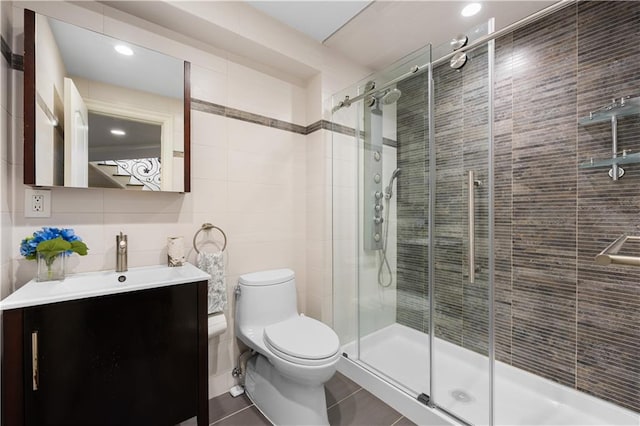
pixel 347 402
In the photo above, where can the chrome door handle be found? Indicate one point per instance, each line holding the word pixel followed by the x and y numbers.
pixel 472 183
pixel 472 228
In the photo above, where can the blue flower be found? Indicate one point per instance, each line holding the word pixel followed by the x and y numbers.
pixel 69 235
pixel 28 246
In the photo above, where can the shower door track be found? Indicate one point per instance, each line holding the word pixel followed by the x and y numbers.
pixel 426 400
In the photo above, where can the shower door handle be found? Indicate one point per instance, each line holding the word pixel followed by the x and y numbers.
pixel 472 227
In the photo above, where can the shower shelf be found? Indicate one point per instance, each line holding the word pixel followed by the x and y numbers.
pixel 626 105
pixel 608 162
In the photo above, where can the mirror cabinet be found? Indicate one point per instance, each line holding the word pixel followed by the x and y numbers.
pixel 102 112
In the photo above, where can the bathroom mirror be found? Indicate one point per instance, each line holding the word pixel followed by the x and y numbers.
pixel 101 112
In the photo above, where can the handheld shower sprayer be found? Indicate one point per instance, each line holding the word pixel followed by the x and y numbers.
pixel 384 262
pixel 388 191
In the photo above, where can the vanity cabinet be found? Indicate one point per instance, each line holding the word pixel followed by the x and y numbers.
pixel 133 358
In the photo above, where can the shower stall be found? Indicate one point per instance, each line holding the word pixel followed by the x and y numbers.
pixel 434 261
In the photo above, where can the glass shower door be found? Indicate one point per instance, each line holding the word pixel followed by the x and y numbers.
pixel 460 220
pixel 393 209
pixel 411 189
pixel 380 184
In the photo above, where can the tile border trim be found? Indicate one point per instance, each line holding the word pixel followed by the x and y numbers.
pixel 6 50
pixel 217 109
pixel 15 62
pixel 211 108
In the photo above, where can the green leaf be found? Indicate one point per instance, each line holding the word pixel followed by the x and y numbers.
pixel 79 247
pixel 51 248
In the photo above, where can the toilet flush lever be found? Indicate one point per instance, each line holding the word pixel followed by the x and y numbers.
pixel 237 291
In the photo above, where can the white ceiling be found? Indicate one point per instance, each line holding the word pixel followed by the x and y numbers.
pixel 374 36
pixel 317 19
pixel 386 31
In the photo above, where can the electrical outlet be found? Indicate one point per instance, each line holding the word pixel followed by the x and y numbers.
pixel 37 202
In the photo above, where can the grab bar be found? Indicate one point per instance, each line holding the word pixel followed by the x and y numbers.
pixel 610 256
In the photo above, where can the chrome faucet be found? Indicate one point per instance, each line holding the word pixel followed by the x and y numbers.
pixel 121 253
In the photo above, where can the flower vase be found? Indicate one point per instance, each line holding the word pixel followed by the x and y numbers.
pixel 50 268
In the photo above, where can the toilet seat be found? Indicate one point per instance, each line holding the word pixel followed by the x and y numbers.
pixel 302 340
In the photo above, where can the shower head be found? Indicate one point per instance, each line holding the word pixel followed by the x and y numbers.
pixel 387 97
pixel 391 96
pixel 388 191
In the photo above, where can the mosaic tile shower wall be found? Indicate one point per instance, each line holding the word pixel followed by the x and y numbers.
pixel 541 288
pixel 461 130
pixel 412 204
pixel 608 310
pixel 558 314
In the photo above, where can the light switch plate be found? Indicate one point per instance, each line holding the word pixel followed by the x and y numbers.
pixel 37 202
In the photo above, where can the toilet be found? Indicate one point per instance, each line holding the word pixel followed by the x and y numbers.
pixel 296 354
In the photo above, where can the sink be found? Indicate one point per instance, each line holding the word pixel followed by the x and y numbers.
pixel 93 284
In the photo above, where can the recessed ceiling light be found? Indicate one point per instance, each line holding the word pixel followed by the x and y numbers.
pixel 471 9
pixel 123 50
pixel 118 132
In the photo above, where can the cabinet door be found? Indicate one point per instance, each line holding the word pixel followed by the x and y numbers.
pixel 128 359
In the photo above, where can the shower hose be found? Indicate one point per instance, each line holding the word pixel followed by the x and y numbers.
pixel 384 262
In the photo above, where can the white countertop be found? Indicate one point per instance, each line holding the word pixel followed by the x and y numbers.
pixel 93 284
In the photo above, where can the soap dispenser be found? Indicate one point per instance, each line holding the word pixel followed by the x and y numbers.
pixel 121 253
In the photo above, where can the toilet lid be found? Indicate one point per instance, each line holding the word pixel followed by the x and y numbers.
pixel 302 337
pixel 263 278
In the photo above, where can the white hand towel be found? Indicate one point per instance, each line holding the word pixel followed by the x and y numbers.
pixel 213 264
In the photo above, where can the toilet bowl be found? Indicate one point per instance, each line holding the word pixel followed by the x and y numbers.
pixel 296 354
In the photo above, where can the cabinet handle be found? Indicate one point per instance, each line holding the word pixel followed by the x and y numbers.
pixel 34 360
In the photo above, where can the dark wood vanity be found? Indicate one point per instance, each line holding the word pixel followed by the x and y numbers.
pixel 130 358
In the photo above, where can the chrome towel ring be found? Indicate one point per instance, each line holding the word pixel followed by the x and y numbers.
pixel 207 226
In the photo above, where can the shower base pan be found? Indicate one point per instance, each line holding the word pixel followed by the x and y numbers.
pixel 394 366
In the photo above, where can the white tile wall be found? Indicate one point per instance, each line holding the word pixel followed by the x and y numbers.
pixel 6 133
pixel 6 136
pixel 314 107
pixel 319 226
pixel 209 85
pixel 252 91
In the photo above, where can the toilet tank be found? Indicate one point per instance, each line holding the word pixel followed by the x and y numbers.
pixel 266 297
